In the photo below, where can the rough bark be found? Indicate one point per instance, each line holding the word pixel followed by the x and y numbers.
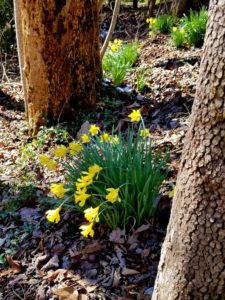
pixel 178 7
pixel 61 56
pixel 151 7
pixel 192 264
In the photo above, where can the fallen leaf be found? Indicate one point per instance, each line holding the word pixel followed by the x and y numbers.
pixel 117 236
pixel 52 263
pixel 67 293
pixel 142 228
pixel 14 264
pixel 127 272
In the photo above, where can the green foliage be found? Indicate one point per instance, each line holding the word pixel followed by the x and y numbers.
pixel 141 82
pixel 178 37
pixel 161 24
pixel 119 59
pixel 194 26
pixel 131 165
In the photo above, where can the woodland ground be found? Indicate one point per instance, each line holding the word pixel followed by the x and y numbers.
pixel 39 260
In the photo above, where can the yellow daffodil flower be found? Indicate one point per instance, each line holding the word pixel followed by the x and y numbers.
pixel 171 193
pixel 135 115
pixel 104 138
pixel 75 148
pixel 87 230
pixel 144 133
pixel 87 177
pixel 81 185
pixel 117 42
pixel 113 195
pixel 58 189
pixel 114 140
pixel 44 159
pixel 53 215
pixel 60 151
pixel 51 164
pixel 95 169
pixel 94 129
pixel 80 197
pixel 85 138
pixel 91 214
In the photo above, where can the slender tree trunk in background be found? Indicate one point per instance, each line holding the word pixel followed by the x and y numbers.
pixel 61 63
pixel 192 265
pixel 151 7
pixel 178 7
pixel 135 4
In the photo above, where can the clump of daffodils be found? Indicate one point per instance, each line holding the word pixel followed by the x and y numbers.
pixel 151 22
pixel 115 45
pixel 111 179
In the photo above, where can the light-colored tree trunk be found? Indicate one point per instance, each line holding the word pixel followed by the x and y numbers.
pixel 60 56
pixel 192 263
pixel 178 7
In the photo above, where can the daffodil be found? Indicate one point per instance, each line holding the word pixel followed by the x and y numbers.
pixel 81 185
pixel 80 197
pixel 75 148
pixel 51 164
pixel 144 133
pixel 94 129
pixel 113 195
pixel 135 115
pixel 95 169
pixel 117 42
pixel 87 176
pixel 114 139
pixel 85 138
pixel 174 29
pixel 87 230
pixel 58 189
pixel 91 214
pixel 53 215
pixel 44 159
pixel 60 151
pixel 104 138
pixel 172 193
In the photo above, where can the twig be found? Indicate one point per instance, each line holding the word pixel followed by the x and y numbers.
pixel 111 28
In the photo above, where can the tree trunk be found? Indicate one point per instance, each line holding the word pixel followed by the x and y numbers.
pixel 135 4
pixel 61 63
pixel 151 7
pixel 192 264
pixel 178 7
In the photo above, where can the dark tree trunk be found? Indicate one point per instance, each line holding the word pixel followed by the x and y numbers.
pixel 178 7
pixel 135 4
pixel 151 7
pixel 192 265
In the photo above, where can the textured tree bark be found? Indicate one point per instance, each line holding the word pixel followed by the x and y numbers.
pixel 151 7
pixel 178 7
pixel 61 56
pixel 192 264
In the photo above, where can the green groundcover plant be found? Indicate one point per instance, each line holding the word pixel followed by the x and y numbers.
pixel 161 24
pixel 119 59
pixel 194 27
pixel 114 180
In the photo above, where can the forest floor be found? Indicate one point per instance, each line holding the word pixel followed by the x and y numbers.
pixel 39 260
